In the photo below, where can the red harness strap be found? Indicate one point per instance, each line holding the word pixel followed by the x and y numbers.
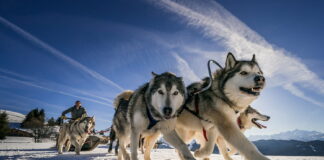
pixel 239 123
pixel 197 111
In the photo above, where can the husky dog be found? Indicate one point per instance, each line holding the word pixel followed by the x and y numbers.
pixel 215 111
pixel 121 99
pixel 246 120
pixel 152 109
pixel 75 133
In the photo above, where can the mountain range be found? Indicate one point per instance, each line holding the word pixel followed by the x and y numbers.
pixel 299 135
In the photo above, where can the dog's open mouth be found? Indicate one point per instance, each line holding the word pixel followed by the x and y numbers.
pixel 252 91
pixel 259 125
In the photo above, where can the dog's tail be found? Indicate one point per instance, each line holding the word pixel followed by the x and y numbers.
pixel 124 95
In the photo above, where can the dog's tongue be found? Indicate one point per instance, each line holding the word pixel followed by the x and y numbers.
pixel 263 126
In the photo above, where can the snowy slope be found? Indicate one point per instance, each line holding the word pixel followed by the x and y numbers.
pixel 10 149
pixel 300 135
pixel 14 117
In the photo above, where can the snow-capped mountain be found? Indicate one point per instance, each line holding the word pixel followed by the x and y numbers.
pixel 299 135
pixel 14 117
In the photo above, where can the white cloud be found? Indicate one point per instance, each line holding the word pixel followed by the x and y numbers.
pixel 185 69
pixel 58 53
pixel 217 23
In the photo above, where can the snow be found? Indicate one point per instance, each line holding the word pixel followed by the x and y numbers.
pixel 14 117
pixel 24 148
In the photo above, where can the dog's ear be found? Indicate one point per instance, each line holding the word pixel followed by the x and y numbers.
pixel 253 58
pixel 153 74
pixel 93 118
pixel 230 61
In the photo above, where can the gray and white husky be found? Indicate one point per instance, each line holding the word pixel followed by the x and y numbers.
pixel 216 110
pixel 152 110
pixel 75 133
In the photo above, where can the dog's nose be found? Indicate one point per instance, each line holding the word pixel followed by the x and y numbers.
pixel 268 117
pixel 167 111
pixel 259 79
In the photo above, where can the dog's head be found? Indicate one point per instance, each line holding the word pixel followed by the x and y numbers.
pixel 250 117
pixel 89 124
pixel 242 81
pixel 167 93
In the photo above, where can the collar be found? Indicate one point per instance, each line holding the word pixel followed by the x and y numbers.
pixel 152 121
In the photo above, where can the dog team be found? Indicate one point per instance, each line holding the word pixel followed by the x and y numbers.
pixel 215 110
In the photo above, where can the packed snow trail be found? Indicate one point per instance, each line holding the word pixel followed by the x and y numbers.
pixel 23 148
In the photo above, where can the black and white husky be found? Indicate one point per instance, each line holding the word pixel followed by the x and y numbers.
pixel 152 110
pixel 215 111
pixel 75 133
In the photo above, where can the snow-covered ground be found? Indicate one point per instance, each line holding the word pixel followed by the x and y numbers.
pixel 24 148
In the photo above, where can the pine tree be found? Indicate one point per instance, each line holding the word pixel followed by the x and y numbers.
pixel 35 121
pixel 51 122
pixel 4 125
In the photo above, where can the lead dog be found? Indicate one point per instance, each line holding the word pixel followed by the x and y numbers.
pixel 75 133
pixel 152 109
pixel 215 111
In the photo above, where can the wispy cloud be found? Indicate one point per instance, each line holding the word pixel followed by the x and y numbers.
pixel 58 53
pixel 52 85
pixel 185 69
pixel 221 26
pixel 31 84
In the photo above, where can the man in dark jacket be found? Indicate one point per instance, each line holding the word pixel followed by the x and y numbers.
pixel 77 111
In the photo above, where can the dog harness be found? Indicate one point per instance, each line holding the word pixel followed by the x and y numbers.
pixel 239 123
pixel 152 121
pixel 196 113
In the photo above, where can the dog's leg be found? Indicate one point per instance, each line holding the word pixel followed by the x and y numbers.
pixel 122 149
pixel 208 147
pixel 173 138
pixel 76 145
pixel 148 145
pixel 134 143
pixel 68 145
pixel 234 136
pixel 116 147
pixel 232 149
pixel 222 148
pixel 110 145
pixel 142 141
pixel 61 141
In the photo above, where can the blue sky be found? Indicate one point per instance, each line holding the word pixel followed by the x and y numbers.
pixel 53 53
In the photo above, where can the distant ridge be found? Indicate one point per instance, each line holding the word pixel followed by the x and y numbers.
pixel 299 135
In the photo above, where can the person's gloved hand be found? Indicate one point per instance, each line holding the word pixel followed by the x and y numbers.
pixel 63 117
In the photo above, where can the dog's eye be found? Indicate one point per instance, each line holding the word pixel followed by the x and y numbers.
pixel 243 73
pixel 175 93
pixel 160 92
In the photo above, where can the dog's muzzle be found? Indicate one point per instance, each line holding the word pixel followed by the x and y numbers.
pixel 167 111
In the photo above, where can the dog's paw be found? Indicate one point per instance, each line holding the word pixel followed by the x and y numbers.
pixel 201 153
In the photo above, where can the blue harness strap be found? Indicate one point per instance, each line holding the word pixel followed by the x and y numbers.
pixel 153 121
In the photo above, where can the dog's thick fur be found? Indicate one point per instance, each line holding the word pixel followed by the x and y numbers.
pixel 75 133
pixel 234 88
pixel 160 99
